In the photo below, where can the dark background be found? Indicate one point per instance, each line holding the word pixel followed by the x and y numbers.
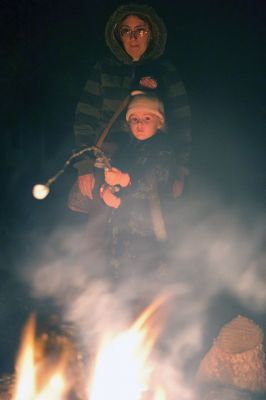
pixel 48 48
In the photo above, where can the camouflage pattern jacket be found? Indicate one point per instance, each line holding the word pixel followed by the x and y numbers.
pixel 151 165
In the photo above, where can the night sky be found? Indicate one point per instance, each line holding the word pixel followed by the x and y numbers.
pixel 48 48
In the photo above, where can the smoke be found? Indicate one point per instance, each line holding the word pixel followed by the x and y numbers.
pixel 216 271
pixel 224 252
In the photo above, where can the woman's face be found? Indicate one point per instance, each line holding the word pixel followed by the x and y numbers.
pixel 135 35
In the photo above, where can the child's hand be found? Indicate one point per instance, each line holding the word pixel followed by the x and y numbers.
pixel 115 177
pixel 108 197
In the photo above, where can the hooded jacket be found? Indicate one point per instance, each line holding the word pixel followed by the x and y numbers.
pixel 113 78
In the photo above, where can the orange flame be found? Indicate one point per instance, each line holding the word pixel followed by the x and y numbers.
pixel 122 369
pixel 27 371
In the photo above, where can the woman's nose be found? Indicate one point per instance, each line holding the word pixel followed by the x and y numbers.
pixel 133 35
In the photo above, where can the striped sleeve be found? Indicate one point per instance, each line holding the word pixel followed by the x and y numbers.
pixel 178 116
pixel 88 112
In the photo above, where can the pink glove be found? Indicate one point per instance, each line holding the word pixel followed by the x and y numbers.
pixel 108 197
pixel 115 177
pixel 178 188
pixel 86 185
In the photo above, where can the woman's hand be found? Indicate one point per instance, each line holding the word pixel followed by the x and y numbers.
pixel 86 185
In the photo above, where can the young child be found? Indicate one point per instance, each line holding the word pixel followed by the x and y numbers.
pixel 144 172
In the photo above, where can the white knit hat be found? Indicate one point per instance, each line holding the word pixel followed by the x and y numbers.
pixel 151 105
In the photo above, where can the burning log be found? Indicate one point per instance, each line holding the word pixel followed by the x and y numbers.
pixel 235 363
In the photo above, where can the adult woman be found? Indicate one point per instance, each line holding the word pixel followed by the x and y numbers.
pixel 136 36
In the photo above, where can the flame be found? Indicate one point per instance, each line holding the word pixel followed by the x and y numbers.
pixel 28 371
pixel 122 369
pixel 160 394
pixel 25 382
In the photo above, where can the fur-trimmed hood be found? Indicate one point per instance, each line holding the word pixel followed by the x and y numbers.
pixel 145 12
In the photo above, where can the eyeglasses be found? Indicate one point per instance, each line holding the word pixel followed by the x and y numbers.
pixel 136 33
pixel 148 119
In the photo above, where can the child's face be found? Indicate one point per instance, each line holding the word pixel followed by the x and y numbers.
pixel 135 36
pixel 144 125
